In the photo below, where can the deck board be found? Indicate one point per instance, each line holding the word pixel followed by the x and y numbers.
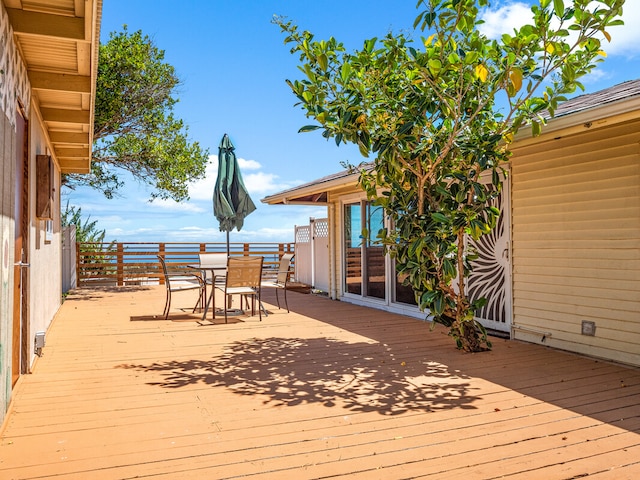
pixel 330 390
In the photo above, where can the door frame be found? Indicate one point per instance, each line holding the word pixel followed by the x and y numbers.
pixel 20 330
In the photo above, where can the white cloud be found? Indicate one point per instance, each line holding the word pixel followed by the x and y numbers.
pixel 506 16
pixel 625 38
pixel 258 182
pixel 261 183
pixel 173 206
pixel 504 19
pixel 196 234
pixel 596 75
pixel 248 164
pixel 118 232
pixel 203 189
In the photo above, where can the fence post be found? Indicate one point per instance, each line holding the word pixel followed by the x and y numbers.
pixel 120 263
pixel 78 271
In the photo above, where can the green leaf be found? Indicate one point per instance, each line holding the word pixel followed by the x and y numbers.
pixel 370 44
pixel 345 72
pixel 405 128
pixel 439 217
pixel 438 305
pixel 323 61
pixel 309 128
pixel 558 7
pixel 435 66
pixel 449 268
pixel 535 128
pixel 415 249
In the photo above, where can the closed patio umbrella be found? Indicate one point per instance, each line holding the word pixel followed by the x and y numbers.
pixel 231 201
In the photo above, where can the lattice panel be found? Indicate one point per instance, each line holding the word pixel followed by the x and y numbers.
pixel 303 235
pixel 321 229
pixel 14 82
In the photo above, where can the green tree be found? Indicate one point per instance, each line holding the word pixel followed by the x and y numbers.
pixel 86 229
pixel 96 254
pixel 135 129
pixel 428 111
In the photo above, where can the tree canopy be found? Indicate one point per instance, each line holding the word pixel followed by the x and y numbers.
pixel 438 115
pixel 135 128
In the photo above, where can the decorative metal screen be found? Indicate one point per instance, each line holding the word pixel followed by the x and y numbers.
pixel 490 274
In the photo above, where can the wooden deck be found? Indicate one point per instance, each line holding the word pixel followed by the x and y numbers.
pixel 330 390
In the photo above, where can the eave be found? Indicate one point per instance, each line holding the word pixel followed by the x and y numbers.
pixel 59 43
pixel 314 193
pixel 617 104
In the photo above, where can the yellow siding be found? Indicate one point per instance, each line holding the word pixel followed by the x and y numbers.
pixel 576 242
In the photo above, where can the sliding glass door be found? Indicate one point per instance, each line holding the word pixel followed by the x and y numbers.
pixel 364 256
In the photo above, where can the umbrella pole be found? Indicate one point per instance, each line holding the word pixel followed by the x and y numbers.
pixel 228 306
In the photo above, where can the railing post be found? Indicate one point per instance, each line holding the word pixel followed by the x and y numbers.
pixel 120 264
pixel 246 250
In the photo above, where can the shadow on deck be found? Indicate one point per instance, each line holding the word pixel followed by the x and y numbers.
pixel 329 390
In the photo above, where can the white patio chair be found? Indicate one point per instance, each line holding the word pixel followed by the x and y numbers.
pixel 214 266
pixel 281 278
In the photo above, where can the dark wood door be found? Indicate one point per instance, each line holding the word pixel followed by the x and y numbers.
pixel 20 196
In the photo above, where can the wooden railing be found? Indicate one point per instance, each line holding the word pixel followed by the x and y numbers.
pixel 136 263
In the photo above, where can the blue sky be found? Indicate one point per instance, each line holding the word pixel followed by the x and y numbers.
pixel 233 64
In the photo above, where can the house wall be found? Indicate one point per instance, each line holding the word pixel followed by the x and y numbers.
pixel 44 273
pixel 576 242
pixel 45 252
pixel 336 278
pixel 7 225
pixel 13 89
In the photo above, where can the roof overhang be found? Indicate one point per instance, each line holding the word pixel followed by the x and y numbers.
pixel 316 192
pixel 602 115
pixel 59 42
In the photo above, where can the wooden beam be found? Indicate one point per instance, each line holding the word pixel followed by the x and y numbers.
pixel 83 51
pixel 72 152
pixel 65 116
pixel 75 165
pixel 46 24
pixel 60 82
pixel 79 8
pixel 69 137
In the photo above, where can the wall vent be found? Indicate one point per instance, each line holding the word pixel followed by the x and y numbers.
pixel 588 328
